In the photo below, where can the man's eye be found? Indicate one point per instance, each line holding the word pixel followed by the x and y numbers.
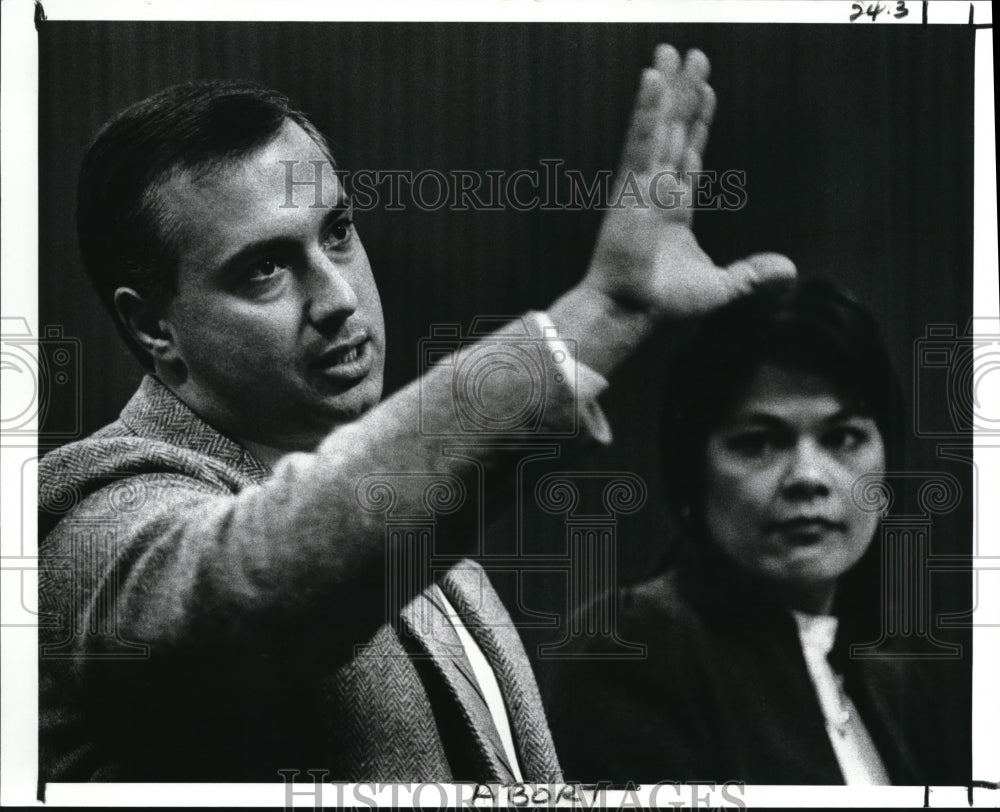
pixel 340 234
pixel 264 270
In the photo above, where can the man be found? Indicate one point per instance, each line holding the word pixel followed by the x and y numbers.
pixel 220 582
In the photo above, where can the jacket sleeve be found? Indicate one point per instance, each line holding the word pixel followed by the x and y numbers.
pixel 191 564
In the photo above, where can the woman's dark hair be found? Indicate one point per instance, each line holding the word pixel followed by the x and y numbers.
pixel 802 325
pixel 125 236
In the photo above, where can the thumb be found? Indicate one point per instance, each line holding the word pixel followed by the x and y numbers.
pixel 747 273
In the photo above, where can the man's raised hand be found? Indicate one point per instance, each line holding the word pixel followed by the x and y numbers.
pixel 646 257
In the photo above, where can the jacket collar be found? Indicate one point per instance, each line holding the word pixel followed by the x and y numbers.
pixel 721 590
pixel 156 413
pixel 727 594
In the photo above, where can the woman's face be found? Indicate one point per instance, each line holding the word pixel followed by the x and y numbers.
pixel 779 476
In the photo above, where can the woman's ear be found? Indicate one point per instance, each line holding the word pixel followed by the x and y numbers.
pixel 145 325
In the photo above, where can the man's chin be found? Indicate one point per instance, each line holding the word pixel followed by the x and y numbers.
pixel 347 406
pixel 302 423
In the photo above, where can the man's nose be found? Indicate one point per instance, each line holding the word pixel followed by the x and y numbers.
pixel 807 475
pixel 330 295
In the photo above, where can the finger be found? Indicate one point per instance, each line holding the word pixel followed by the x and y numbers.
pixel 646 133
pixel 674 71
pixel 690 84
pixel 756 269
pixel 691 162
pixel 697 138
pixel 770 265
pixel 707 103
pixel 688 154
pixel 675 107
pixel 674 145
pixel 683 97
pixel 696 133
pixel 666 59
pixel 697 65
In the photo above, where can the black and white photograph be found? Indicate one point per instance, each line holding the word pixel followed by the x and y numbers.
pixel 502 409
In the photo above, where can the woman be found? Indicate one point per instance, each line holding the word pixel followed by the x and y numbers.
pixel 780 405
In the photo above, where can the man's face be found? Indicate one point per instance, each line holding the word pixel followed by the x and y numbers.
pixel 276 318
pixel 779 476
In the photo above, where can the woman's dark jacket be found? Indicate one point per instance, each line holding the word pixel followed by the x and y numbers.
pixel 723 693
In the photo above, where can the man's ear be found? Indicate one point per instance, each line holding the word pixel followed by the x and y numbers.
pixel 144 323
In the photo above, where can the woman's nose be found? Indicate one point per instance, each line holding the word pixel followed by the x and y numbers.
pixel 808 471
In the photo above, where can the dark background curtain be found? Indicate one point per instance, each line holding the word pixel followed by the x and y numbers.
pixel 856 143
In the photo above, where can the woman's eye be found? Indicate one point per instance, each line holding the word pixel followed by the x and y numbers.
pixel 845 438
pixel 751 444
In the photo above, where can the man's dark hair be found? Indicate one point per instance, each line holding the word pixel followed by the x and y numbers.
pixel 125 235
pixel 802 325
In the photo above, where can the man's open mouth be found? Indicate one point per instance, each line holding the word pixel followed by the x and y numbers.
pixel 347 361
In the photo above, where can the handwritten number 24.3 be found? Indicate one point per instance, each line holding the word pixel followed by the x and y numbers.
pixel 874 9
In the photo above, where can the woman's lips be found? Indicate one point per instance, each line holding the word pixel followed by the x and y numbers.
pixel 806 528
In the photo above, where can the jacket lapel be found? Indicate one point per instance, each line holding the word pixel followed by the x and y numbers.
pixel 878 690
pixel 426 620
pixel 486 618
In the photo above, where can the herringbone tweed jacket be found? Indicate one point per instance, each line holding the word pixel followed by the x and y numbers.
pixel 205 619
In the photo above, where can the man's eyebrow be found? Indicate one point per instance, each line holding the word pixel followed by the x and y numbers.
pixel 343 207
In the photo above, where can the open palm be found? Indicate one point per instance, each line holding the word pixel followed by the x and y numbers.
pixel 646 254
